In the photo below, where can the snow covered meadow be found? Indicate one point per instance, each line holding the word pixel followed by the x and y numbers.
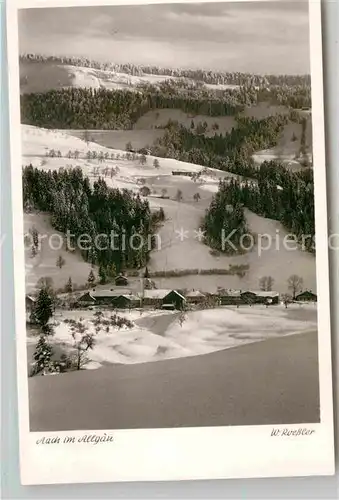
pixel 160 335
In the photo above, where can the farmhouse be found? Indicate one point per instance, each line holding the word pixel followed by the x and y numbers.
pixel 306 296
pixel 195 297
pixel 102 297
pixel 260 297
pixel 230 297
pixel 86 300
pixel 121 280
pixel 247 297
pixel 163 299
pixel 126 301
pixel 30 302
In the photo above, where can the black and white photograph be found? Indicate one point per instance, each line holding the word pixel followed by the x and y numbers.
pixel 169 234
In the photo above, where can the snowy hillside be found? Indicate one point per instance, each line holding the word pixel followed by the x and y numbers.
pixel 40 76
pixel 180 246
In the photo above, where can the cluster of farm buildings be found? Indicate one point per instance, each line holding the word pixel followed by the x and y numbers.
pixel 122 296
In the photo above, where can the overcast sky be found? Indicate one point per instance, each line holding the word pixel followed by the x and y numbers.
pixel 261 37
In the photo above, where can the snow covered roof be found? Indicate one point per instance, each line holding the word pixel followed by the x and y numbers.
pixel 121 276
pixel 195 293
pixel 110 293
pixel 130 297
pixel 232 293
pixel 156 293
pixel 159 294
pixel 261 293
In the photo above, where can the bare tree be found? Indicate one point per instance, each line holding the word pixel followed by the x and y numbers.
pixel 287 299
pixel 182 318
pixel 266 283
pixel 295 284
pixel 83 342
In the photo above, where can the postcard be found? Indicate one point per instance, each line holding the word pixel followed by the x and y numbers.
pixel 170 240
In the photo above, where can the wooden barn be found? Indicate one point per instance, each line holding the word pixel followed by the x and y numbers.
pixel 159 298
pixel 126 301
pixel 306 296
pixel 175 299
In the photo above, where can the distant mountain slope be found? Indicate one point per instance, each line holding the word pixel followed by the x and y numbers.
pixel 42 76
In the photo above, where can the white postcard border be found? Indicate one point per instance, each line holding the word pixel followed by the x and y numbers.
pixel 185 453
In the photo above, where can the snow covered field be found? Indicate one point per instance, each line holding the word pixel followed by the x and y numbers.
pixel 44 262
pixel 158 335
pixel 160 118
pixel 288 148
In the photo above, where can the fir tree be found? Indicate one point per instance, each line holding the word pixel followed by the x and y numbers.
pixel 44 307
pixel 69 286
pixel 91 278
pixel 35 236
pixel 42 354
pixel 102 275
pixel 33 251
